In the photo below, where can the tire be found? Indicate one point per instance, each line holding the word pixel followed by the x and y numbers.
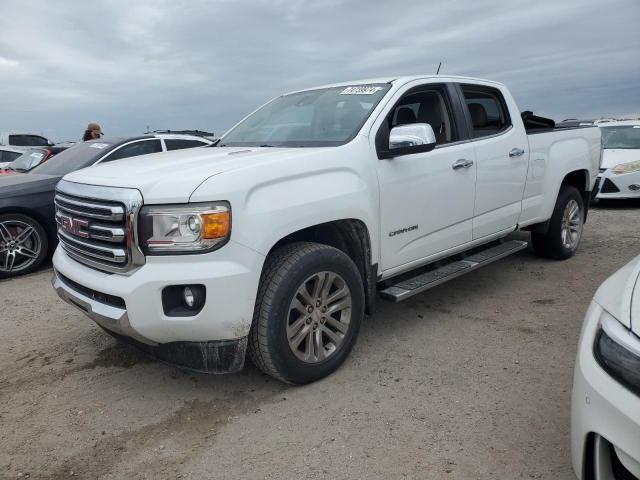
pixel 565 227
pixel 23 244
pixel 325 338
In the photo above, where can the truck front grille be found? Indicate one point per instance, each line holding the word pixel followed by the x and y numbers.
pixel 96 225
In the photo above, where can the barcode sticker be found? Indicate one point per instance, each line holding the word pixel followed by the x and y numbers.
pixel 360 90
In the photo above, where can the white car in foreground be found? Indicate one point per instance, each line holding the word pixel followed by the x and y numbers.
pixel 605 405
pixel 620 170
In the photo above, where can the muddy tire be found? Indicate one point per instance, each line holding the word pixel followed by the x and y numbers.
pixel 308 312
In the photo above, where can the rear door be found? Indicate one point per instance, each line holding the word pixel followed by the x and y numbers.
pixel 426 199
pixel 501 145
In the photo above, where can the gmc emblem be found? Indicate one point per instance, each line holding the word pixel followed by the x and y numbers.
pixel 74 225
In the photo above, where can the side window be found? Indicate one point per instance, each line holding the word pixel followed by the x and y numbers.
pixel 426 104
pixel 6 156
pixel 487 109
pixel 28 141
pixel 142 147
pixel 178 144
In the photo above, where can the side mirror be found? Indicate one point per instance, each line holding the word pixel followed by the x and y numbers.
pixel 408 139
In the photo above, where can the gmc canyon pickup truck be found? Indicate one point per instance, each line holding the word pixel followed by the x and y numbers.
pixel 276 241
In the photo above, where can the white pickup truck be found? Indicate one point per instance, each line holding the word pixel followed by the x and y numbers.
pixel 276 241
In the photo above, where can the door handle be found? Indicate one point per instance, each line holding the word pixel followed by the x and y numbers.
pixel 462 163
pixel 516 152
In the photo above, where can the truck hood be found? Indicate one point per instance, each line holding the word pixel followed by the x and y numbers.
pixel 614 156
pixel 620 295
pixel 171 177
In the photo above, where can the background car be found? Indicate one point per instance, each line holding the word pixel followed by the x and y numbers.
pixel 620 170
pixel 24 139
pixel 30 159
pixel 27 217
pixel 8 154
pixel 605 403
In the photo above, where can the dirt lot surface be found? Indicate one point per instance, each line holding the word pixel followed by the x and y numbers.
pixel 470 380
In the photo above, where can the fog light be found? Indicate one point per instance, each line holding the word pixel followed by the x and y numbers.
pixel 189 298
pixel 634 187
pixel 183 300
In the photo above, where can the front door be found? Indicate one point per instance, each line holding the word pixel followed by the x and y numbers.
pixel 426 199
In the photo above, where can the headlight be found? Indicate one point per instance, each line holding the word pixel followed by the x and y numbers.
pixel 189 228
pixel 617 350
pixel 626 167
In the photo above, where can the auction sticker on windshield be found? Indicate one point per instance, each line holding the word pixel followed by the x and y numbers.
pixel 99 145
pixel 361 90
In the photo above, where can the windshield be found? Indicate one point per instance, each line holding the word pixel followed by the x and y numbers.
pixel 74 158
pixel 624 136
pixel 28 160
pixel 315 118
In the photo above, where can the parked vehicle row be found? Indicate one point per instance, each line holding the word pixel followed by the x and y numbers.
pixel 27 216
pixel 276 243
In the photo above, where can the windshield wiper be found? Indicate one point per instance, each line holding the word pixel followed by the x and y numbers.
pixel 266 145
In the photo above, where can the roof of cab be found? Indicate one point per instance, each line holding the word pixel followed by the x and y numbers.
pixel 398 80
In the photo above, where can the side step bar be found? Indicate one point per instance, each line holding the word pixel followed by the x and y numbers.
pixel 424 281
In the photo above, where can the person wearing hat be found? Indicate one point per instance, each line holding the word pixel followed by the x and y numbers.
pixel 93 132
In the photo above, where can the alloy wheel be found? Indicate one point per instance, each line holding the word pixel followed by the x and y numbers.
pixel 319 316
pixel 20 246
pixel 571 227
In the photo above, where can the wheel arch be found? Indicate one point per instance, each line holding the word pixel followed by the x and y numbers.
pixel 350 236
pixel 581 180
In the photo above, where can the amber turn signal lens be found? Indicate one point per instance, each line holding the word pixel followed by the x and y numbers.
pixel 215 225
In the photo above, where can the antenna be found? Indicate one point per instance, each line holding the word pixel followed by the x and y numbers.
pixel 439 65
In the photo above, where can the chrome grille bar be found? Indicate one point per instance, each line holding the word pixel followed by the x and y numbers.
pixel 114 213
pixel 98 231
pixel 97 225
pixel 117 255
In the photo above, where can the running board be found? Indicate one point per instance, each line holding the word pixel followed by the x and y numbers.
pixel 424 281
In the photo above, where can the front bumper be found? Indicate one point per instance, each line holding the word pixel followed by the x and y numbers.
pixel 618 186
pixel 601 408
pixel 131 306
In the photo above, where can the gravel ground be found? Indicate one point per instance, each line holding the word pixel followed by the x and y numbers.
pixel 470 380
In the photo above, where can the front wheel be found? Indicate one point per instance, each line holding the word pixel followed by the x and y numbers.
pixel 565 227
pixel 308 312
pixel 23 244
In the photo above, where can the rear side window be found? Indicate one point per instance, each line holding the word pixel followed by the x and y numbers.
pixel 142 147
pixel 487 110
pixel 178 144
pixel 28 141
pixel 6 156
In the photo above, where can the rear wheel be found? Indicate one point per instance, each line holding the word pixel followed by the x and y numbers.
pixel 23 244
pixel 565 227
pixel 308 312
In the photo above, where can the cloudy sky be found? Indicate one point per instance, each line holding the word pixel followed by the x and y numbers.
pixel 204 64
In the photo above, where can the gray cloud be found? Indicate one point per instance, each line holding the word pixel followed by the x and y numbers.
pixel 200 64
